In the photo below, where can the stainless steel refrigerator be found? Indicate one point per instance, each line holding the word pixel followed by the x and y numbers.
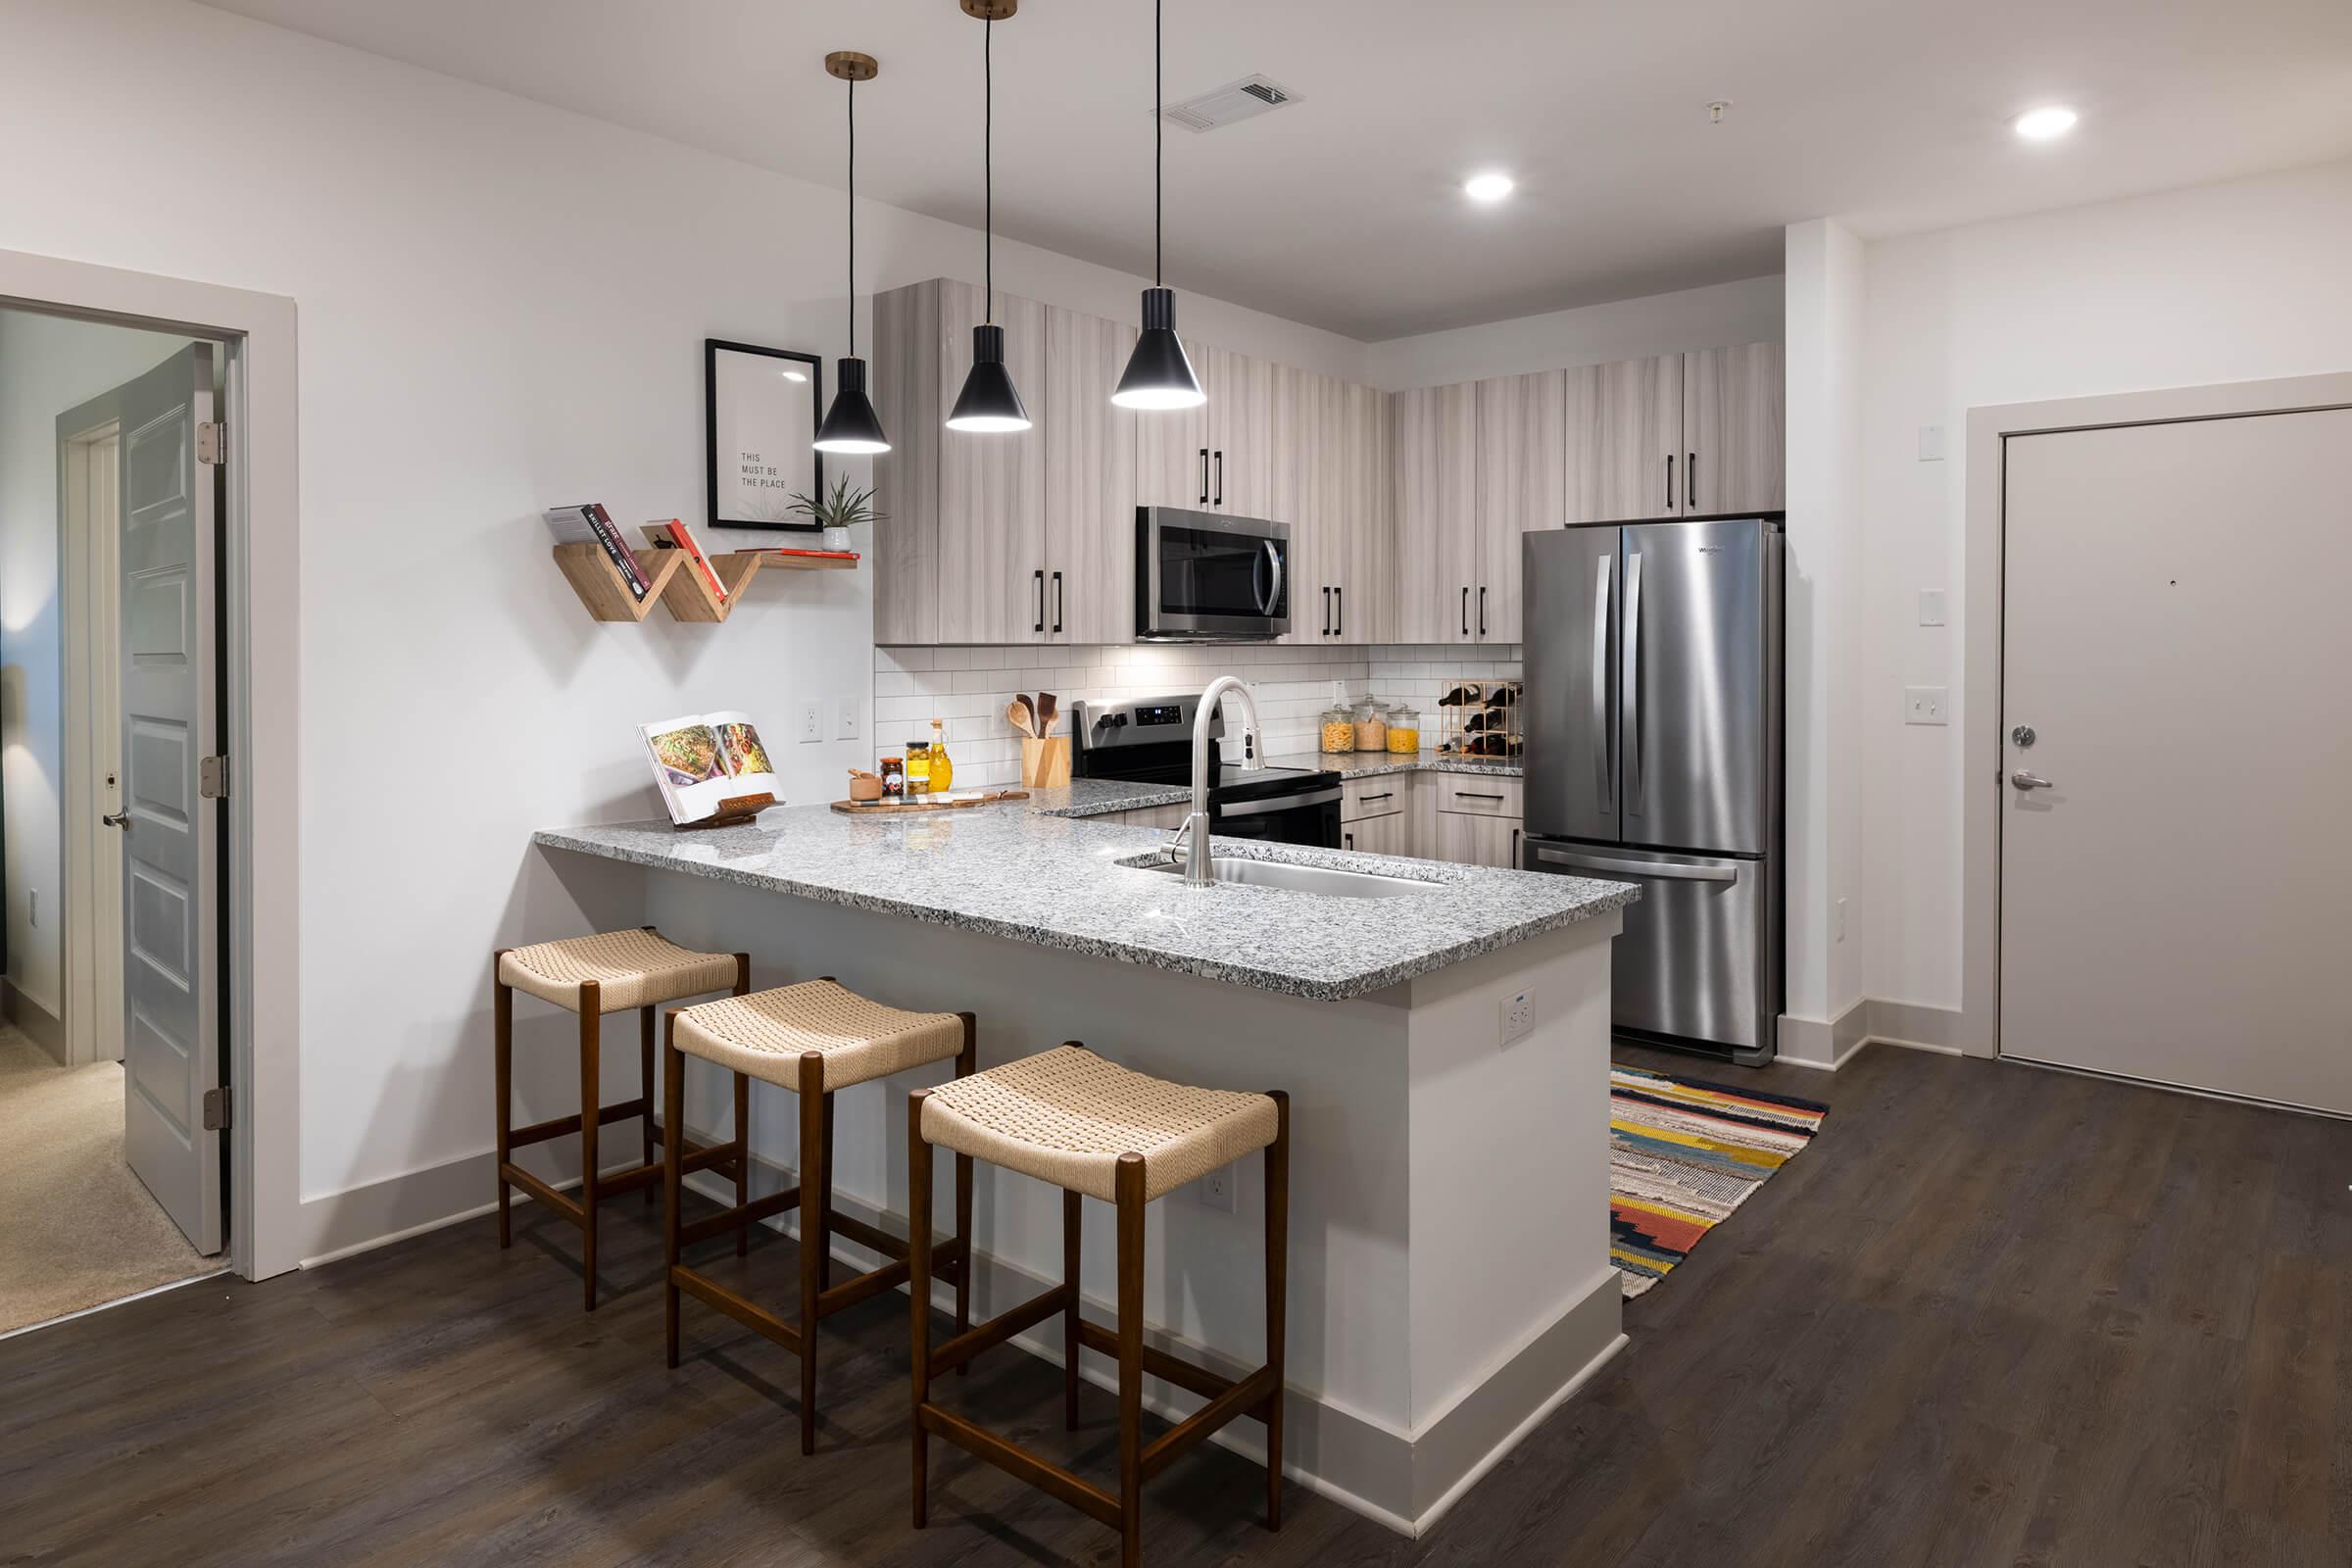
pixel 1653 756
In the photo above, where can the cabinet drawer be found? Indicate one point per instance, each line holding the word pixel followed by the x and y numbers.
pixel 1382 794
pixel 1477 797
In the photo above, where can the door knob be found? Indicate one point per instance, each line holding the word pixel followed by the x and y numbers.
pixel 115 820
pixel 2029 781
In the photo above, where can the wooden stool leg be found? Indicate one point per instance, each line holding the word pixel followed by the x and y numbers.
pixel 919 1292
pixel 1128 1184
pixel 812 1231
pixel 1072 1209
pixel 502 1035
pixel 1278 1274
pixel 743 1163
pixel 673 1156
pixel 645 1080
pixel 591 1102
pixel 967 1062
pixel 824 1200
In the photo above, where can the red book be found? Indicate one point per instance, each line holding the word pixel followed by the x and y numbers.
pixel 694 553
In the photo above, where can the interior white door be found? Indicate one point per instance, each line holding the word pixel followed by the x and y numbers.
pixel 104 621
pixel 2176 840
pixel 171 1054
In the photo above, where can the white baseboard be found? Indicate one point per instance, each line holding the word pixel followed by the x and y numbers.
pixel 39 1025
pixel 1917 1026
pixel 1824 1044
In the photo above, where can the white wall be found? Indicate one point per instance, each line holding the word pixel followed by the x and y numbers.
pixel 47 366
pixel 502 307
pixel 1745 311
pixel 2239 281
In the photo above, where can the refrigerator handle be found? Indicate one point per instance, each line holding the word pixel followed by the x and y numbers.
pixel 1603 741
pixel 1702 871
pixel 1633 683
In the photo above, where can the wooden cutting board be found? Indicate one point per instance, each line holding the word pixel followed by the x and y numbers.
pixel 953 801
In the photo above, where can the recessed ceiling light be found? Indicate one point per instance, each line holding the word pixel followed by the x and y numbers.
pixel 2042 124
pixel 1486 187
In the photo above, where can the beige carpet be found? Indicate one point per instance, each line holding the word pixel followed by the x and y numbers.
pixel 77 1228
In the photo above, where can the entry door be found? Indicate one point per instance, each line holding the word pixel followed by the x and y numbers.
pixel 2177 839
pixel 171 1054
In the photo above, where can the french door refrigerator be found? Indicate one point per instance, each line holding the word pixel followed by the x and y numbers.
pixel 1653 756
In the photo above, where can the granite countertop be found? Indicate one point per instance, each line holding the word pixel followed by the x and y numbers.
pixel 1098 797
pixel 1020 871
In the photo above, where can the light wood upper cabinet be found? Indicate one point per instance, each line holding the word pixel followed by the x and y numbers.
pixel 1090 447
pixel 1522 486
pixel 1435 449
pixel 908 339
pixel 1171 451
pixel 1733 429
pixel 1243 395
pixel 992 487
pixel 1354 531
pixel 1625 430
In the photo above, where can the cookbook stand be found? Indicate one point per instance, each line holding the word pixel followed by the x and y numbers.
pixel 731 812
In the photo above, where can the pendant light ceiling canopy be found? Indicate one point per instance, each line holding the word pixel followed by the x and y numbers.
pixel 1160 375
pixel 988 402
pixel 850 425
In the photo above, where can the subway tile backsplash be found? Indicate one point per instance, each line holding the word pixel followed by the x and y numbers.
pixel 969 686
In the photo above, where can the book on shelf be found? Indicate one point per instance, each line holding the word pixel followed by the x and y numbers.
pixel 711 767
pixel 591 523
pixel 682 538
pixel 805 554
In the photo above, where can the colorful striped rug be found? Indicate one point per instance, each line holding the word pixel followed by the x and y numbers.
pixel 1683 1155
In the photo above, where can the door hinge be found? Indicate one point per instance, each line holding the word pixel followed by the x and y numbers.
pixel 212 778
pixel 212 441
pixel 218 1109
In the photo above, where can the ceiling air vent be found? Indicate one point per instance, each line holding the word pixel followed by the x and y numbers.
pixel 1236 100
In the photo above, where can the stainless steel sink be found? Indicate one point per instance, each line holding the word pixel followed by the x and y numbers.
pixel 1324 880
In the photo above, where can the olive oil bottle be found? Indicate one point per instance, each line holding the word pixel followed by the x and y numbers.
pixel 943 771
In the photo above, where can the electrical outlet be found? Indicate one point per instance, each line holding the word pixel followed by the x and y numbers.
pixel 845 719
pixel 1215 1190
pixel 1923 705
pixel 812 722
pixel 1931 606
pixel 1930 443
pixel 1518 1015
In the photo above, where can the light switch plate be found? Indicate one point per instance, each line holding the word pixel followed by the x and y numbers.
pixel 1931 606
pixel 1923 705
pixel 812 722
pixel 845 719
pixel 1930 443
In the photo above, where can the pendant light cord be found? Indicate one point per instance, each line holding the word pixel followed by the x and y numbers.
pixel 853 290
pixel 988 161
pixel 1159 130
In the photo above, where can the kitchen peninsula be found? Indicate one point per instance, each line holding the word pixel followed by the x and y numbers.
pixel 1449 1271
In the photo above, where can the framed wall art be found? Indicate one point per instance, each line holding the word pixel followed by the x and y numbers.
pixel 760 407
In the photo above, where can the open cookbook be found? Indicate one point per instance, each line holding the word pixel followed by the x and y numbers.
pixel 711 768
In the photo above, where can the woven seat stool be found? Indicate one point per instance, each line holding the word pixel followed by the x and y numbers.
pixel 610 971
pixel 1098 1130
pixel 814 1039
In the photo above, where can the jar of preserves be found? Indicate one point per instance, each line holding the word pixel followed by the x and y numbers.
pixel 1371 726
pixel 1338 730
pixel 894 778
pixel 919 768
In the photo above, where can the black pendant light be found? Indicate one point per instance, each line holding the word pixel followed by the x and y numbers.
pixel 850 425
pixel 987 402
pixel 1159 374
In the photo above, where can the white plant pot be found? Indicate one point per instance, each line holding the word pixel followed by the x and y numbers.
pixel 837 538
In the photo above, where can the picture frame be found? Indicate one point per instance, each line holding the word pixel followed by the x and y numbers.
pixel 760 411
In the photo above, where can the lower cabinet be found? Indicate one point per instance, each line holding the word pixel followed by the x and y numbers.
pixel 1391 834
pixel 1468 840
pixel 1147 816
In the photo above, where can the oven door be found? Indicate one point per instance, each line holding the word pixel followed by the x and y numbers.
pixel 1309 816
pixel 1201 576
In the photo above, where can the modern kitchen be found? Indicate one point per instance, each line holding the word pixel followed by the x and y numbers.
pixel 1397 837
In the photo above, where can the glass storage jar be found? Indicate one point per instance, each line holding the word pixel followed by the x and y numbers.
pixel 1371 726
pixel 1405 730
pixel 1338 731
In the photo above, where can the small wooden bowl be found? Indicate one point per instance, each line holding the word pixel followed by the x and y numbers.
pixel 866 788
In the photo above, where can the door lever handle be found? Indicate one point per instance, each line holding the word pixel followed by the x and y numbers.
pixel 115 820
pixel 2029 781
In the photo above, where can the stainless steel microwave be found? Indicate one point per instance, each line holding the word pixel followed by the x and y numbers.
pixel 1204 576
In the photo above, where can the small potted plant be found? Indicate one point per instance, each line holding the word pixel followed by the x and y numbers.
pixel 837 512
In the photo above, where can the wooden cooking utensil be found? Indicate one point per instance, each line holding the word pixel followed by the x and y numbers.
pixel 1018 714
pixel 1048 708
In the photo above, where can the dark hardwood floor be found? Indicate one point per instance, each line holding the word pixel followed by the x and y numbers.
pixel 1992 1316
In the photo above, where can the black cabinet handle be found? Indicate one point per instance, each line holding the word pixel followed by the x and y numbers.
pixel 1040 578
pixel 1327 612
pixel 1473 795
pixel 1220 501
pixel 1481 610
pixel 1384 795
pixel 1691 481
pixel 1339 597
pixel 1204 476
pixel 1669 481
pixel 1465 611
pixel 1515 832
pixel 1057 601
pixel 1347 841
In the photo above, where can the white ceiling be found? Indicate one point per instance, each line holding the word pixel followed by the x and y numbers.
pixel 1344 210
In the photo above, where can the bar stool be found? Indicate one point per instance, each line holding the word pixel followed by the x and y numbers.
pixel 1098 1130
pixel 593 975
pixel 813 1037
